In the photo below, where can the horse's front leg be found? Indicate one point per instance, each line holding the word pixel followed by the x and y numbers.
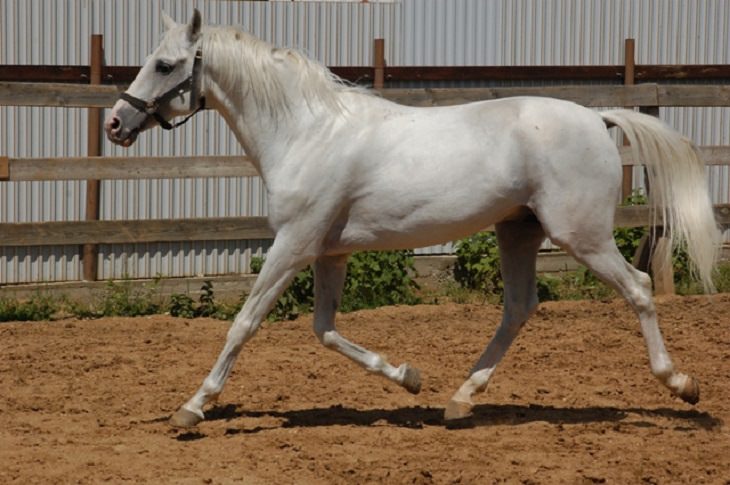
pixel 286 257
pixel 329 278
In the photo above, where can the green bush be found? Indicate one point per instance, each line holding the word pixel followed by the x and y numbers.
pixel 379 278
pixel 182 306
pixel 374 278
pixel 185 307
pixel 207 306
pixel 123 299
pixel 722 277
pixel 628 238
pixel 548 288
pixel 477 263
pixel 296 300
pixel 38 307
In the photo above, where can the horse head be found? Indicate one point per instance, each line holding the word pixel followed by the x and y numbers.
pixel 167 85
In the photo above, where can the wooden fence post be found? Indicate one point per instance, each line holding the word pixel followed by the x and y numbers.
pixel 379 63
pixel 628 170
pixel 4 168
pixel 91 251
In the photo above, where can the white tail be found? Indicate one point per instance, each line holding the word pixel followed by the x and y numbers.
pixel 677 188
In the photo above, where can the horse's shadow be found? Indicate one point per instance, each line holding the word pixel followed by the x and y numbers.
pixel 417 417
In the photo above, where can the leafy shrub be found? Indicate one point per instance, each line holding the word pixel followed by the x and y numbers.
pixel 548 288
pixel 685 282
pixel 477 263
pixel 38 307
pixel 124 299
pixel 374 278
pixel 296 300
pixel 184 307
pixel 628 238
pixel 379 278
pixel 722 277
pixel 207 306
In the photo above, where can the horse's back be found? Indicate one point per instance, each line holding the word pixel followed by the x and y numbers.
pixel 509 146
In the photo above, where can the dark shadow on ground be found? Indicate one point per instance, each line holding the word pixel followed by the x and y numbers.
pixel 417 417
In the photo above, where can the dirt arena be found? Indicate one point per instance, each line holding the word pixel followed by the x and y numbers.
pixel 573 402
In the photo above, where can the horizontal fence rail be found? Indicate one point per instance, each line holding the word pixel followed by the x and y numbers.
pixel 134 231
pixel 214 228
pixel 58 95
pixel 642 95
pixel 133 168
pixel 615 73
pixel 125 168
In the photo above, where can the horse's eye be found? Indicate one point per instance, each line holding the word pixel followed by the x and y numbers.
pixel 163 68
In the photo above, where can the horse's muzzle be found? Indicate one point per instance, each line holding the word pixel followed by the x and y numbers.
pixel 119 135
pixel 122 128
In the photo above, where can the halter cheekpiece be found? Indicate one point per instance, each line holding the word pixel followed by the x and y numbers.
pixel 191 83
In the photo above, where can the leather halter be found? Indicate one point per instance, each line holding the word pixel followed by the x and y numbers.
pixel 191 83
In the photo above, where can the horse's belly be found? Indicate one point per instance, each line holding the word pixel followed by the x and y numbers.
pixel 418 229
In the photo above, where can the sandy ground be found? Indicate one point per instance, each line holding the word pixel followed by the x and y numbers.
pixel 573 402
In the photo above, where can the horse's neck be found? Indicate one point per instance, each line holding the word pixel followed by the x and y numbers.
pixel 263 130
pixel 252 130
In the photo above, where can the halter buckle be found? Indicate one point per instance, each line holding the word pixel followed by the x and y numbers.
pixel 151 107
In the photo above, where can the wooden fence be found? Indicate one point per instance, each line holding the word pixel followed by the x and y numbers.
pixel 84 87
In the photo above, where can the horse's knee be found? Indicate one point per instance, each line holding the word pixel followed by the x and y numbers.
pixel 240 332
pixel 642 300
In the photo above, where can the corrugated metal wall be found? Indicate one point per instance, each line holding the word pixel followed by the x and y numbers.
pixel 564 32
pixel 417 32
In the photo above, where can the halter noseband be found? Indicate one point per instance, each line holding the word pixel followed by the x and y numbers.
pixel 191 83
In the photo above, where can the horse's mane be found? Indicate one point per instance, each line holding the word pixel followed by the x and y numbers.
pixel 244 61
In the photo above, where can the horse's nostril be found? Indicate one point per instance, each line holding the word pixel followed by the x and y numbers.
pixel 115 123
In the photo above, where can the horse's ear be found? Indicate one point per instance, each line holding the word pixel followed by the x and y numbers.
pixel 167 20
pixel 194 26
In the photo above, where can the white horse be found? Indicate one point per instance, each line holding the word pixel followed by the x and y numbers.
pixel 346 170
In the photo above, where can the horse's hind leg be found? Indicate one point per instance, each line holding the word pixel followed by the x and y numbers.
pixel 594 246
pixel 329 278
pixel 518 246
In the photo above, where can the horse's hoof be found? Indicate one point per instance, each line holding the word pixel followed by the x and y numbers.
pixel 690 393
pixel 412 380
pixel 184 419
pixel 457 411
